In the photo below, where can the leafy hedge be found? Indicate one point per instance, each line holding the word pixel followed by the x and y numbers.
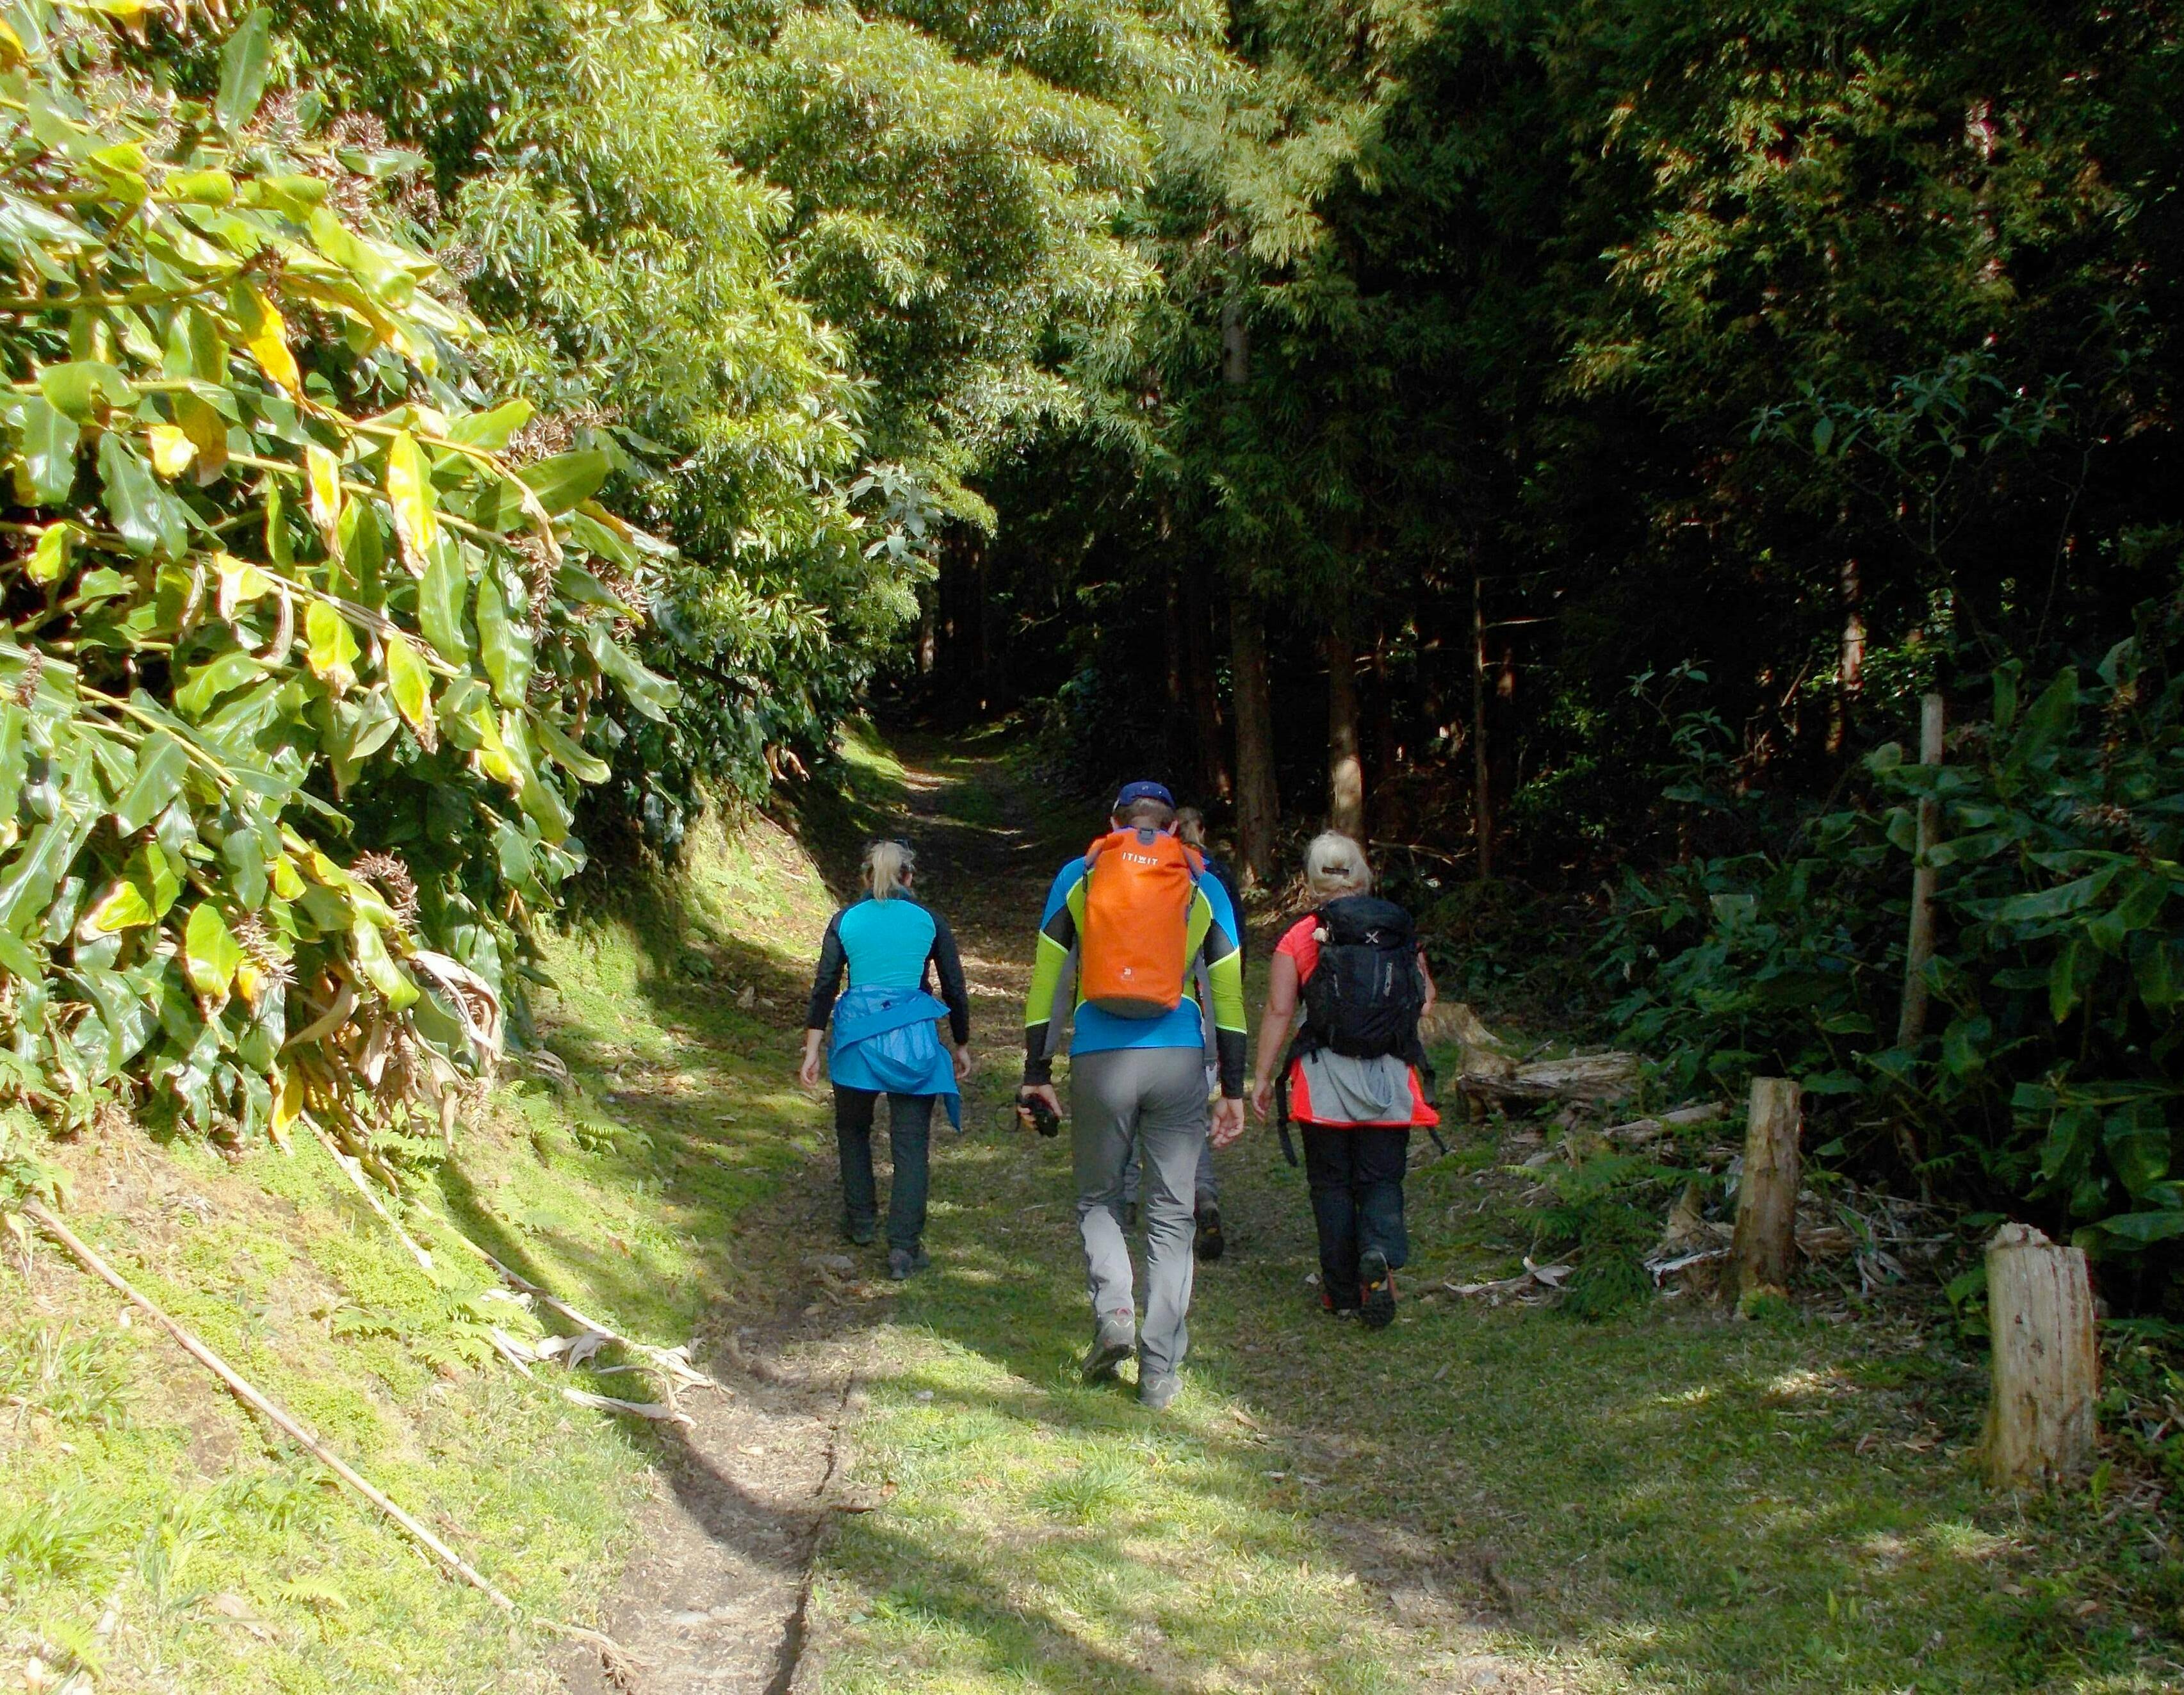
pixel 2053 1074
pixel 302 671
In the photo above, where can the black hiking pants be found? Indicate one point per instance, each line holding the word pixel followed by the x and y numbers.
pixel 910 1136
pixel 1356 1175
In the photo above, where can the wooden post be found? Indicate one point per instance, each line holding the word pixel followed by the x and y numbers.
pixel 1919 948
pixel 1767 1192
pixel 2040 1309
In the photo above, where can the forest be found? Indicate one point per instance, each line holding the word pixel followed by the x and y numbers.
pixel 1693 484
pixel 1564 444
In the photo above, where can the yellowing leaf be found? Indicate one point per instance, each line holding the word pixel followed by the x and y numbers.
pixel 172 450
pixel 207 433
pixel 411 681
pixel 288 1103
pixel 249 980
pixel 266 336
pixel 288 881
pixel 240 581
pixel 322 475
pixel 410 486
pixel 11 47
pixel 122 907
pixel 49 559
pixel 333 650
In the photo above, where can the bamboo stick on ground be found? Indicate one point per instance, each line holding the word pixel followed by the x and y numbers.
pixel 616 1658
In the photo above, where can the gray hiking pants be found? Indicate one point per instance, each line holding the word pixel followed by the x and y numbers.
pixel 1153 1098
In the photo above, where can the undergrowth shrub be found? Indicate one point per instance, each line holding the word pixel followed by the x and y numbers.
pixel 301 670
pixel 2050 1081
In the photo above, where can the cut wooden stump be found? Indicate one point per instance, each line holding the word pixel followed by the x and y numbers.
pixel 2040 1310
pixel 1767 1192
pixel 1484 1053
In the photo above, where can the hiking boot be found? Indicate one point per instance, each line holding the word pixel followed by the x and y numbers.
pixel 860 1231
pixel 1211 1243
pixel 903 1263
pixel 1117 1341
pixel 1326 1306
pixel 1376 1290
pixel 1156 1391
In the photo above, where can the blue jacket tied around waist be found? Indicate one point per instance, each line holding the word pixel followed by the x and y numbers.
pixel 885 1040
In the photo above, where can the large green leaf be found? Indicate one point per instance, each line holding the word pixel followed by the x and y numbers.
pixel 150 520
pixel 503 641
pixel 566 479
pixel 243 66
pixel 440 598
pixel 50 437
pixel 409 680
pixel 210 952
pixel 161 764
pixel 333 650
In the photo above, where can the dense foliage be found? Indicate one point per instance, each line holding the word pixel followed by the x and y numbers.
pixel 1616 417
pixel 303 670
pixel 2053 1075
pixel 1561 440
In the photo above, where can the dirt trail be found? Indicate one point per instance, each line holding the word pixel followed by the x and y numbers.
pixel 715 1604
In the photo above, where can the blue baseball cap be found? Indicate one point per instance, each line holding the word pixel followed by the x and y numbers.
pixel 1134 792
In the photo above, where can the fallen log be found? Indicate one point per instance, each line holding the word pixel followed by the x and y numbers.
pixel 1588 1077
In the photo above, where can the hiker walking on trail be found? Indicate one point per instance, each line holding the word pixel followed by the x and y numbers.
pixel 1209 1241
pixel 1137 917
pixel 887 1041
pixel 1351 1078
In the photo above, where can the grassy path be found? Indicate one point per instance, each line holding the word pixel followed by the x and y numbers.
pixel 1476 1499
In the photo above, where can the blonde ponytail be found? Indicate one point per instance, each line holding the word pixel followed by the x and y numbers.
pixel 888 867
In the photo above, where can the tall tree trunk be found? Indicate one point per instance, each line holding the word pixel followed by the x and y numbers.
pixel 990 642
pixel 1205 701
pixel 1380 777
pixel 1850 658
pixel 1482 776
pixel 928 632
pixel 1258 803
pixel 1346 771
pixel 1173 739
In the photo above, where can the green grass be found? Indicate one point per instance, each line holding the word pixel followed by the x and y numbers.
pixel 132 1490
pixel 1659 1501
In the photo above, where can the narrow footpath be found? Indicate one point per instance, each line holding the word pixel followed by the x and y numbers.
pixel 909 1490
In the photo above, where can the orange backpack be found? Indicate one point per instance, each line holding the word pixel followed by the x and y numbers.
pixel 1138 887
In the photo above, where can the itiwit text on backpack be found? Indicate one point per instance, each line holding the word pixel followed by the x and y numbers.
pixel 1135 932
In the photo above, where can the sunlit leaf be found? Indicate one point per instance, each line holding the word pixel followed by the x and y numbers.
pixel 210 952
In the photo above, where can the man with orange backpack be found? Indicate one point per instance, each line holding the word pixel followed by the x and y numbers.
pixel 1137 916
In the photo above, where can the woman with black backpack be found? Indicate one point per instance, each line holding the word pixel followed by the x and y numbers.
pixel 1351 1078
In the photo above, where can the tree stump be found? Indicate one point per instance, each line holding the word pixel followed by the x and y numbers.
pixel 1767 1192
pixel 2040 1307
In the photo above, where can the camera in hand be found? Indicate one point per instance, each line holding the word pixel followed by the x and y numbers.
pixel 1040 1116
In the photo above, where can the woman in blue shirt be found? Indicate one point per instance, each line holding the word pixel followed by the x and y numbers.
pixel 887 1041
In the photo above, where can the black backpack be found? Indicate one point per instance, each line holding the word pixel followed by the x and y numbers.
pixel 1364 997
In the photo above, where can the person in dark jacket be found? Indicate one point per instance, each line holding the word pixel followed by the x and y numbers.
pixel 887 1041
